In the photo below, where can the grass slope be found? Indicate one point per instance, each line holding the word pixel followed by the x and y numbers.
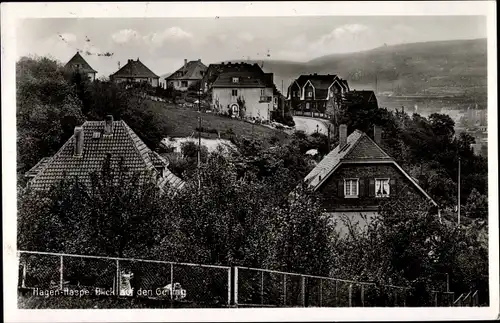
pixel 182 122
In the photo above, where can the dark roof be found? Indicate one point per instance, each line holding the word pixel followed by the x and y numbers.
pixel 360 97
pixel 214 70
pixel 246 79
pixel 359 147
pixel 192 71
pixel 124 145
pixel 83 65
pixel 134 69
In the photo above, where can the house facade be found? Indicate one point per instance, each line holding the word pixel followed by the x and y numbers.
pixel 78 64
pixel 98 142
pixel 135 72
pixel 314 93
pixel 190 73
pixel 244 94
pixel 355 177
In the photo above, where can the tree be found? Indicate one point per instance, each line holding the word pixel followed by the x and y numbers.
pixel 48 109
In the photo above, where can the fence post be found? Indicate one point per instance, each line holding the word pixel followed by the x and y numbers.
pixel 362 295
pixel 236 286
pixel 229 287
pixel 23 281
pixel 336 294
pixel 118 280
pixel 303 290
pixel 171 284
pixel 435 299
pixel 284 289
pixel 261 287
pixel 61 270
pixel 320 292
pixel 350 295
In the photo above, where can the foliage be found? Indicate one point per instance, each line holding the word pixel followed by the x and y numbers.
pixel 407 245
pixel 47 110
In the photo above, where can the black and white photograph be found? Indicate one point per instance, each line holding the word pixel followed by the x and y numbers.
pixel 252 161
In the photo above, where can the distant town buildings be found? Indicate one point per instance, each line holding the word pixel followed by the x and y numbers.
pixel 135 72
pixel 189 74
pixel 78 64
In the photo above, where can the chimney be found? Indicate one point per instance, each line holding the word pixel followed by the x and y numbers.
pixel 129 60
pixel 108 125
pixel 78 141
pixel 342 135
pixel 377 134
pixel 185 63
pixel 199 60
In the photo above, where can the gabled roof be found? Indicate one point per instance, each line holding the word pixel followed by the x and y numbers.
pixel 82 64
pixel 359 149
pixel 245 80
pixel 123 146
pixel 192 71
pixel 134 69
pixel 360 97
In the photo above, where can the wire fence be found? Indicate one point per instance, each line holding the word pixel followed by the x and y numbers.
pixel 198 285
pixel 262 287
pixel 67 275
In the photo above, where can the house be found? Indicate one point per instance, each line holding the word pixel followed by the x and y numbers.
pixel 244 94
pixel 364 97
pixel 135 72
pixel 93 144
pixel 191 73
pixel 357 175
pixel 214 70
pixel 79 64
pixel 313 92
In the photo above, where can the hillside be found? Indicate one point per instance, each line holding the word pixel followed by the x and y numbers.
pixel 456 67
pixel 183 122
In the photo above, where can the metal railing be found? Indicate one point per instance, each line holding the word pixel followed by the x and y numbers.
pixel 67 274
pixel 264 288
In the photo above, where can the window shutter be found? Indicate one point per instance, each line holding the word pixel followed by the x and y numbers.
pixel 340 188
pixel 361 187
pixel 392 187
pixel 372 187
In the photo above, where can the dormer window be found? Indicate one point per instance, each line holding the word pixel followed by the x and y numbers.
pixel 236 79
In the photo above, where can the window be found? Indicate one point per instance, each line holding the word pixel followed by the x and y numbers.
pixel 262 92
pixel 275 100
pixel 236 79
pixel 234 93
pixel 309 94
pixel 184 83
pixel 351 187
pixel 295 94
pixel 382 187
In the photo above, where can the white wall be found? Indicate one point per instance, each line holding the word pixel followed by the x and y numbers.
pixel 177 84
pixel 253 108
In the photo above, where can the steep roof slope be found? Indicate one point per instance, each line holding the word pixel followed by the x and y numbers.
pixel 134 69
pixel 123 146
pixel 193 71
pixel 359 147
pixel 82 64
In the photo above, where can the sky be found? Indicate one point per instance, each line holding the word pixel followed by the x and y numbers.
pixel 163 43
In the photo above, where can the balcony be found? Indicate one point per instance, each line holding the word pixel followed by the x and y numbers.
pixel 265 99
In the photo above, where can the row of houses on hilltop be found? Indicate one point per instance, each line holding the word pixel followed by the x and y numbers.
pixel 236 89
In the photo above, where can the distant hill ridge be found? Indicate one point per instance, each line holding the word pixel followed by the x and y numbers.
pixel 451 67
